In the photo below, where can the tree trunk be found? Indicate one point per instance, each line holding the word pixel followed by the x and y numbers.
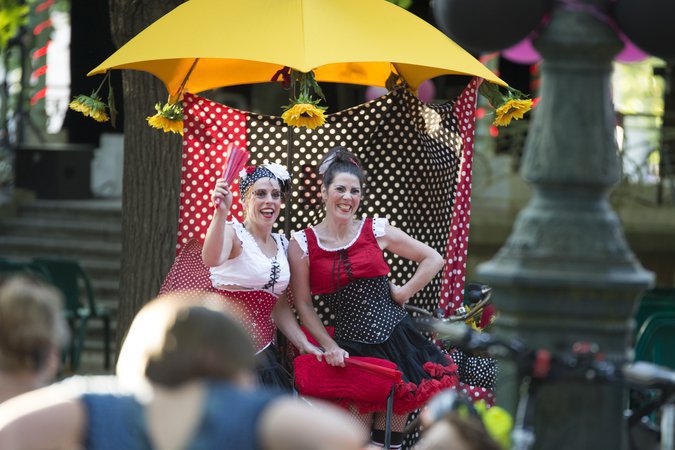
pixel 151 171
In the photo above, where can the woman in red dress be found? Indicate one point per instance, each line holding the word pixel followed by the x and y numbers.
pixel 341 260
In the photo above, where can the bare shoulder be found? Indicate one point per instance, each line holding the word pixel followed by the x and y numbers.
pixel 290 423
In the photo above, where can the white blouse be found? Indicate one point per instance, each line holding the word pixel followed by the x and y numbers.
pixel 379 229
pixel 252 269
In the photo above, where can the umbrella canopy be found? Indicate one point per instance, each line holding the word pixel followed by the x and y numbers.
pixel 231 42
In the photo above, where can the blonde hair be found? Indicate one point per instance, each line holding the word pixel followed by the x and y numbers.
pixel 183 336
pixel 31 323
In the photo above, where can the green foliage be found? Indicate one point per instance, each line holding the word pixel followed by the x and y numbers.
pixel 637 90
pixel 402 3
pixel 13 14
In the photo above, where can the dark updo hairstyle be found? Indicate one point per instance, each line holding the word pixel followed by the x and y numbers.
pixel 340 160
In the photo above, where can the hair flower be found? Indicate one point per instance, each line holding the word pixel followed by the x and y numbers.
pixel 278 170
pixel 169 117
pixel 510 106
pixel 304 110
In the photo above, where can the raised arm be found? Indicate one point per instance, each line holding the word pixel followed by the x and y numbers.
pixel 429 261
pixel 219 239
pixel 303 304
pixel 285 320
pixel 44 418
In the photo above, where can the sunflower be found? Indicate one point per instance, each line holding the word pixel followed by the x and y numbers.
pixel 511 110
pixel 308 115
pixel 91 106
pixel 304 110
pixel 169 117
pixel 510 106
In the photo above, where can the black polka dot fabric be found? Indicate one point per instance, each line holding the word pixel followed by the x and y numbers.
pixel 364 311
pixel 417 159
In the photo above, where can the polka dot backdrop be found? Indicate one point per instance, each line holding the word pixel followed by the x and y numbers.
pixel 418 162
pixel 417 159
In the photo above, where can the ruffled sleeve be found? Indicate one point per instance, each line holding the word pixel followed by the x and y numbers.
pixel 301 239
pixel 379 226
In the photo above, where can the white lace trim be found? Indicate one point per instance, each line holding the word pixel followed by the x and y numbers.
pixel 246 237
pixel 379 230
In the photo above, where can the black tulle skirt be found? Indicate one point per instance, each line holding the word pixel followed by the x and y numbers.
pixel 425 368
pixel 270 370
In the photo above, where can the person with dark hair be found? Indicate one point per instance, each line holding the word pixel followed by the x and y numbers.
pixel 248 262
pixel 195 366
pixel 341 259
pixel 32 334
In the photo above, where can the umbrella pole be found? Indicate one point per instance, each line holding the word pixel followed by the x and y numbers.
pixel 289 167
pixel 178 94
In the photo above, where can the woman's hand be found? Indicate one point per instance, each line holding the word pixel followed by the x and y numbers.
pixel 307 347
pixel 222 196
pixel 335 356
pixel 399 295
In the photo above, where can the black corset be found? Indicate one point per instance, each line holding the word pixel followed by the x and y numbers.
pixel 364 310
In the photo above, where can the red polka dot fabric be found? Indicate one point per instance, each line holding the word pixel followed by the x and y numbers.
pixel 209 128
pixel 452 289
pixel 254 308
pixel 418 163
pixel 417 157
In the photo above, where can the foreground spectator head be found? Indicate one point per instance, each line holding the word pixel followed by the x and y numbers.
pixel 180 337
pixel 32 333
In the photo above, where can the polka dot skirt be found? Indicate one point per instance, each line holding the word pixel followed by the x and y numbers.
pixel 254 308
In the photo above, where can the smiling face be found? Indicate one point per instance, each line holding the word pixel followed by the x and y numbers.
pixel 342 197
pixel 263 201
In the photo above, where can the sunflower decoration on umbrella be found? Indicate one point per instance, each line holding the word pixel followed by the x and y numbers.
pixel 168 118
pixel 93 105
pixel 304 110
pixel 508 106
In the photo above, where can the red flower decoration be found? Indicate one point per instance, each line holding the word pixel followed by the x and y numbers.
pixel 250 170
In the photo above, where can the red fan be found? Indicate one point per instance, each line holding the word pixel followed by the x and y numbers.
pixel 236 160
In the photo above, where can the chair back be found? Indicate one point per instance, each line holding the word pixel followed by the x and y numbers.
pixel 653 301
pixel 71 279
pixel 10 267
pixel 656 339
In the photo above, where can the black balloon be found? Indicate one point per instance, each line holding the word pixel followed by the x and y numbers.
pixel 482 26
pixel 649 24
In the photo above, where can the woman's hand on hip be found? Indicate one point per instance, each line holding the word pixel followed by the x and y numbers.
pixel 398 294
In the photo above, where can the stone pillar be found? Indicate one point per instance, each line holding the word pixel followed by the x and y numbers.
pixel 566 273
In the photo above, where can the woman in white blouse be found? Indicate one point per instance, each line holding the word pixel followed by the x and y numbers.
pixel 248 262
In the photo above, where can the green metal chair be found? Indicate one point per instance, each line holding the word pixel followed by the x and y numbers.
pixel 10 267
pixel 654 343
pixel 656 339
pixel 80 306
pixel 653 301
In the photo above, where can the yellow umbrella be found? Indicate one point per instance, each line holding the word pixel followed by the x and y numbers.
pixel 229 42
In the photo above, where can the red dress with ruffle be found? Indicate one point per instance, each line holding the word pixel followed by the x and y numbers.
pixel 369 323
